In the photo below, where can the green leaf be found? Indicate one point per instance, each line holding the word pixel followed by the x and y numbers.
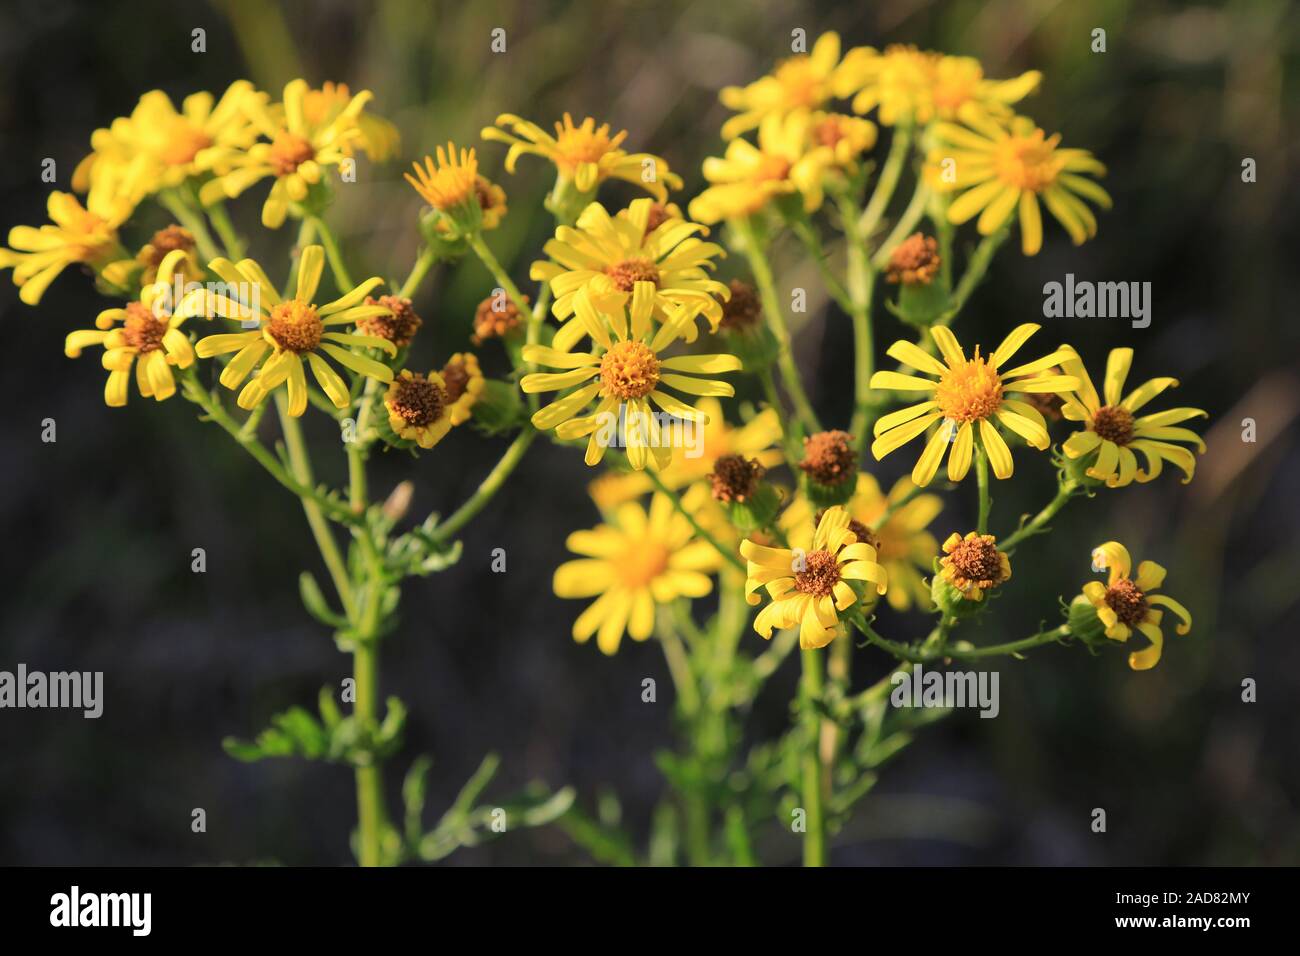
pixel 314 601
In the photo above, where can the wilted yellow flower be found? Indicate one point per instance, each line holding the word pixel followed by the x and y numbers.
pixel 419 408
pixel 585 155
pixel 909 85
pixel 608 255
pixel 1125 604
pixel 292 330
pixel 973 564
pixel 178 144
pixel 903 545
pixel 636 561
pixel 809 582
pixel 748 177
pixel 298 151
pixel 803 81
pixel 75 233
pixel 1001 170
pixel 969 392
pixel 628 374
pixel 149 339
pixel 1114 433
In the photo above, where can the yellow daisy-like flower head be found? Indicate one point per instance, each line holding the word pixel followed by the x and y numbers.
pixel 296 156
pixel 464 382
pixel 907 85
pixel 1001 170
pixel 289 333
pixel 809 582
pixel 903 545
pixel 419 408
pixel 748 177
pixel 803 81
pixel 608 256
pixel 622 375
pixel 75 233
pixel 584 155
pixel 452 185
pixel 149 338
pixel 179 144
pixel 847 137
pixel 973 565
pixel 1113 432
pixel 379 138
pixel 969 394
pixel 1125 604
pixel 636 561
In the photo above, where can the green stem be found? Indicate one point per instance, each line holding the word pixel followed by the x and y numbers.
pixel 862 284
pixel 810 691
pixel 1066 490
pixel 976 267
pixel 342 278
pixel 982 481
pixel 192 221
pixel 895 506
pixel 762 271
pixel 1012 647
pixel 370 792
pixel 489 487
pixel 788 437
pixel 892 647
pixel 423 264
pixel 888 181
pixel 480 249
pixel 903 228
pixel 226 230
pixel 803 229
pixel 699 529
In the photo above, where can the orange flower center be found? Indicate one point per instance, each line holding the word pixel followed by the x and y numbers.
pixel 1028 162
pixel 802 85
pixel 641 563
pixel 628 273
pixel 970 392
pixel 629 370
pixel 1114 423
pixel 184 143
pixel 294 326
pixel 587 143
pixel 142 329
pixel 1128 603
pixel 821 572
pixel 771 168
pixel 288 152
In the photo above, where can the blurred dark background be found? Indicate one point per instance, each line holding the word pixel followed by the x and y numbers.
pixel 98 527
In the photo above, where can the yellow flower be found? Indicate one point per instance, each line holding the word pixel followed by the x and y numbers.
pixel 628 374
pixel 178 144
pixel 1114 433
pixel 609 255
pixel 1126 604
pixel 464 382
pixel 1002 170
pixel 75 233
pixel 973 564
pixel 802 81
pixel 585 155
pixel 755 440
pixel 748 177
pixel 379 138
pixel 903 545
pixel 847 137
pixel 144 267
pixel 809 583
pixel 291 330
pixel 298 151
pixel 635 562
pixel 969 392
pixel 419 408
pixel 149 338
pixel 910 85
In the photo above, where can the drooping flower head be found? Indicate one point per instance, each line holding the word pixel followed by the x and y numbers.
pixel 1001 170
pixel 635 561
pixel 810 583
pixel 584 155
pixel 296 155
pixel 290 332
pixel 607 256
pixel 1126 604
pixel 969 394
pixel 149 339
pixel 1113 432
pixel 803 81
pixel 622 375
pixel 784 162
